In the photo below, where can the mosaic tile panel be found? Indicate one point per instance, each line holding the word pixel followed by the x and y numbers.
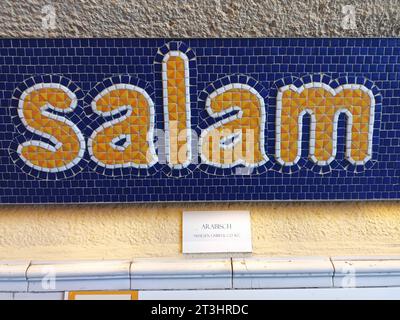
pixel 166 120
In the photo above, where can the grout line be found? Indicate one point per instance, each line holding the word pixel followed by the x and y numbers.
pixel 231 273
pixel 130 274
pixel 26 275
pixel 334 272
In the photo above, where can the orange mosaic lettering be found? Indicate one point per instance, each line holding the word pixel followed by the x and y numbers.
pixel 239 138
pixel 176 98
pixel 324 105
pixel 126 141
pixel 67 144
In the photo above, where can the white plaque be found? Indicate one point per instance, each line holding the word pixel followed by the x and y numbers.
pixel 216 231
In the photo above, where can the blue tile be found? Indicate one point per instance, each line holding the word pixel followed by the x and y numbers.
pixel 88 66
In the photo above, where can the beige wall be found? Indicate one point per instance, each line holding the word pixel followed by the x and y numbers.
pixel 126 231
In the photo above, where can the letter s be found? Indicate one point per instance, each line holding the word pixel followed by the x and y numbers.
pixel 65 145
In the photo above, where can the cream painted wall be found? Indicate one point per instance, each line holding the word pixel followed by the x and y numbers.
pixel 126 231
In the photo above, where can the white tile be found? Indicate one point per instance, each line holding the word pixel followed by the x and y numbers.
pixel 251 273
pixel 275 294
pixel 181 274
pixel 79 275
pixel 6 295
pixel 13 275
pixel 366 273
pixel 39 296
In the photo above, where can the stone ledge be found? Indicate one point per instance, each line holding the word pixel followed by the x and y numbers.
pixel 184 273
pixel 362 273
pixel 13 276
pixel 263 273
pixel 78 275
pixel 181 274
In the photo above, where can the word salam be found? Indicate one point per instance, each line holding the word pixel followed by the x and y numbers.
pixel 52 140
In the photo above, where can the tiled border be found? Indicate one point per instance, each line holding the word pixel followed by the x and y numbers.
pixel 198 274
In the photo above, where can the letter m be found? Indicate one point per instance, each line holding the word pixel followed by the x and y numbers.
pixel 324 105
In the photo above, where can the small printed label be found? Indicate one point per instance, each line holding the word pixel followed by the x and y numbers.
pixel 216 231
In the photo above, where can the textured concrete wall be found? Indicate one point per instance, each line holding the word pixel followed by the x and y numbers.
pixel 199 18
pixel 122 231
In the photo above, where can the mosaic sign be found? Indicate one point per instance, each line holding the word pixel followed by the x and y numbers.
pixel 154 120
